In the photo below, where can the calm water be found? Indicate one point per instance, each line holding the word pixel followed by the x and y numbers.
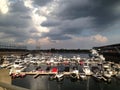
pixel 42 82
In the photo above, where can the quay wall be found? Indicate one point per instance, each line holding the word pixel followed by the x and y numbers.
pixel 4 77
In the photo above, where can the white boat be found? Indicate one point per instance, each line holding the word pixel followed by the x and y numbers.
pixel 5 64
pixel 75 74
pixel 86 70
pixel 94 53
pixel 34 60
pixel 15 72
pixel 107 74
pixel 118 75
pixel 107 71
pixel 59 77
pixel 83 76
pixel 78 58
pixel 18 63
pixel 27 60
pixel 18 67
pixel 60 58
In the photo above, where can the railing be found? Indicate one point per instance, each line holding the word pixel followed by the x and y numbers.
pixel 6 86
pixel 117 49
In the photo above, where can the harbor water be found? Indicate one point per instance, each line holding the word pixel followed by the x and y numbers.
pixel 43 83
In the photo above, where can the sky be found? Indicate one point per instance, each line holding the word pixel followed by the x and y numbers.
pixel 69 24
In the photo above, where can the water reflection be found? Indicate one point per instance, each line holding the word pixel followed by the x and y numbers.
pixel 42 83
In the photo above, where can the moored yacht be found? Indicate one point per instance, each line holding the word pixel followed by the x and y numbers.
pixel 74 74
pixel 18 63
pixel 86 70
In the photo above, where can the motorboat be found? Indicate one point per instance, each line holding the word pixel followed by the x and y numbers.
pixel 86 70
pixel 74 74
pixel 18 63
pixel 83 76
pixel 59 77
pixel 98 77
pixel 107 74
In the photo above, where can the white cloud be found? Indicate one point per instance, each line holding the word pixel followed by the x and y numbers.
pixel 95 38
pixel 31 41
pixel 4 6
pixel 44 41
pixel 39 14
pixel 36 18
pixel 99 38
pixel 28 3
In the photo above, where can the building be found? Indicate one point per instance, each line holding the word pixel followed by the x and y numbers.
pixel 110 52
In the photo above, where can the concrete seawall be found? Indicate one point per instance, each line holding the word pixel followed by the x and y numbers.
pixel 4 77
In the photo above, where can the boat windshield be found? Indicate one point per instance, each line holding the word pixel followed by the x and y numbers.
pixel 16 62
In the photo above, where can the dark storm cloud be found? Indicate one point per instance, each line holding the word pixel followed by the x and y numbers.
pixel 57 36
pixel 13 33
pixel 72 9
pixel 25 17
pixel 15 23
pixel 33 30
pixel 76 26
pixel 18 7
pixel 70 27
pixel 100 9
pixel 18 16
pixel 41 2
pixel 104 13
pixel 51 23
pixel 78 16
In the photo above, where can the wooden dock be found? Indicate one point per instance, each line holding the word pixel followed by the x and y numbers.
pixel 41 73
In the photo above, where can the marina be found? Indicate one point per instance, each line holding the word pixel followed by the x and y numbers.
pixel 107 69
pixel 59 45
pixel 60 68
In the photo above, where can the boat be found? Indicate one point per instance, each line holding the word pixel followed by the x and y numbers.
pixel 34 60
pixel 16 72
pixel 107 71
pixel 59 77
pixel 52 77
pixel 86 70
pixel 98 77
pixel 18 63
pixel 83 76
pixel 118 76
pixel 74 74
pixel 107 74
pixel 17 67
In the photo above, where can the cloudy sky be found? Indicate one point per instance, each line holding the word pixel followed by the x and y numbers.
pixel 60 23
